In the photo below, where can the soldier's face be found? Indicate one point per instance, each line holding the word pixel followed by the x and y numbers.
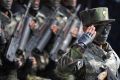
pixel 72 3
pixel 7 4
pixel 36 4
pixel 102 33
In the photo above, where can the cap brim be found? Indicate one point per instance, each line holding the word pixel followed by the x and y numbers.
pixel 104 22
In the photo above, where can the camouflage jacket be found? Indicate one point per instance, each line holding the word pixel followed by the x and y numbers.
pixel 8 24
pixel 90 62
pixel 95 57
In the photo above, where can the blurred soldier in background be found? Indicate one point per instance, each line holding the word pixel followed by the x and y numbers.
pixel 37 60
pixel 70 5
pixel 27 66
pixel 7 27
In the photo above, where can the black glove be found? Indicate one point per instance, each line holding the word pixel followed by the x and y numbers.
pixel 85 39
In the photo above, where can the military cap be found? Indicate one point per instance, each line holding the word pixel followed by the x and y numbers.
pixel 96 16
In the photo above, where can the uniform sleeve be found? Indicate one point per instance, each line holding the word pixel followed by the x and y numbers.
pixel 71 62
pixel 114 61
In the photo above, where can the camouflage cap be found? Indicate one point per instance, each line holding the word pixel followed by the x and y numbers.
pixel 96 16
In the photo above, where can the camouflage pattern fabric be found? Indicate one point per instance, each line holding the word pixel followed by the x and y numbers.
pixel 95 57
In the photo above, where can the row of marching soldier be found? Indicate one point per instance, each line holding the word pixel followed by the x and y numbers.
pixel 55 41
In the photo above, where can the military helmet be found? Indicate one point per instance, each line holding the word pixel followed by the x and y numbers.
pixel 96 16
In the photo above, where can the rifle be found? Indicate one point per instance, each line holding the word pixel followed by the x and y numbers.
pixel 17 35
pixel 68 38
pixel 39 37
pixel 36 37
pixel 62 35
pixel 25 36
pixel 46 37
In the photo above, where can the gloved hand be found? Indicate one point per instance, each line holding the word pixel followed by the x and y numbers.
pixel 87 37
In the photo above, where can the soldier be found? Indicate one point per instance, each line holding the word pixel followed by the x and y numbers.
pixel 98 59
pixel 34 61
pixel 28 68
pixel 70 5
pixel 54 14
pixel 41 55
pixel 100 49
pixel 8 23
pixel 71 61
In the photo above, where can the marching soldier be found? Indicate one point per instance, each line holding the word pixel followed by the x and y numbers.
pixel 41 50
pixel 57 14
pixel 70 5
pixel 27 67
pixel 34 62
pixel 7 27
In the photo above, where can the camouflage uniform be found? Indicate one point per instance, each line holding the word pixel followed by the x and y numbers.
pixel 62 70
pixel 86 64
pixel 92 60
pixel 48 12
pixel 26 71
pixel 95 58
pixel 8 25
